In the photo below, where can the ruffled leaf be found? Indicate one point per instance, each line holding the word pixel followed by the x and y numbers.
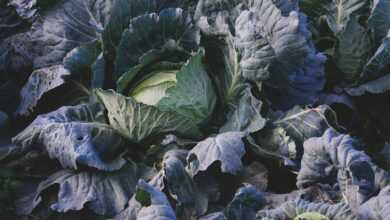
pixel 265 36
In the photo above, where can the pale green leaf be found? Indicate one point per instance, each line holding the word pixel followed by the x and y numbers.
pixel 193 96
pixel 138 121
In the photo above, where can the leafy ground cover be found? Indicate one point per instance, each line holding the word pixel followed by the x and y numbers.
pixel 194 110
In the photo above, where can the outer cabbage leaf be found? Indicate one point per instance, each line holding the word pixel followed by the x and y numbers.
pixel 286 132
pixel 80 59
pixel 213 9
pixel 377 86
pixel 358 177
pixel 378 63
pixel 138 121
pixel 275 143
pixel 245 115
pixel 213 216
pixel 67 25
pixel 220 47
pixel 9 95
pixel 304 123
pixel 266 36
pixel 352 50
pixel 40 82
pixel 10 22
pixel 105 193
pixel 304 86
pixel 155 205
pixel 227 148
pixel 123 11
pixel 28 9
pixel 243 108
pixel 75 135
pixel 275 47
pixel 193 96
pixel 191 201
pixel 314 8
pixel 377 207
pixel 255 174
pixel 245 203
pixel 98 72
pixel 311 216
pixel 341 11
pixel 291 209
pixel 171 29
pixel 379 19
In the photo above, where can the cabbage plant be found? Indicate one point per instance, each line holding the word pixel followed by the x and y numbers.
pixel 202 109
